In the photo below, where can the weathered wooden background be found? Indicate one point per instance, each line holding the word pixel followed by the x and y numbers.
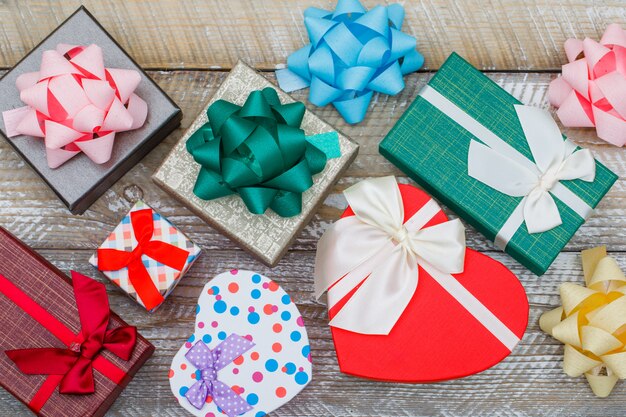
pixel 188 48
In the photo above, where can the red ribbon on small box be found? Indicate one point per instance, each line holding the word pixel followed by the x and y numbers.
pixel 170 255
pixel 72 368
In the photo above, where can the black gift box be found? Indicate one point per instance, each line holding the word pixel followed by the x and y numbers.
pixel 79 181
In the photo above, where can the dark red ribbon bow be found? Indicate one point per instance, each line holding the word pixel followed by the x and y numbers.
pixel 76 362
pixel 172 256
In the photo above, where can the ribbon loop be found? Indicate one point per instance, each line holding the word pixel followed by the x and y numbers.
pixel 260 152
pixel 76 104
pixel 553 161
pixel 353 53
pixel 76 362
pixel 377 253
pixel 441 245
pixel 162 252
pixel 209 362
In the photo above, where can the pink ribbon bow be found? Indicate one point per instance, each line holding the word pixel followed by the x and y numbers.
pixel 592 89
pixel 76 104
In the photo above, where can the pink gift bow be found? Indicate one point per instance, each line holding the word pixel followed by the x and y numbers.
pixel 76 104
pixel 592 90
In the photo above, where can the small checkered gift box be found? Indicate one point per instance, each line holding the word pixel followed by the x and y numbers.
pixel 146 256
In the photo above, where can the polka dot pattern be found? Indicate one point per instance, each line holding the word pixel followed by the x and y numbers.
pixel 302 378
pixel 219 306
pixel 289 368
pixel 270 374
pixel 252 399
pixel 253 318
pixel 271 365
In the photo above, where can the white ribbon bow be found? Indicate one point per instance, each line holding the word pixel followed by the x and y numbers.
pixel 377 253
pixel 515 175
pixel 500 166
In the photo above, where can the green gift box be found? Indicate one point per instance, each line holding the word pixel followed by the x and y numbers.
pixel 461 110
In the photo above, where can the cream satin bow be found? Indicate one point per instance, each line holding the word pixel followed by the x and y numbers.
pixel 555 160
pixel 374 251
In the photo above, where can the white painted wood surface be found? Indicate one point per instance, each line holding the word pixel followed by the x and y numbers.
pixel 214 34
pixel 191 38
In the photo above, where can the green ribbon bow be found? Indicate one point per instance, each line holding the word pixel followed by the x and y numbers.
pixel 259 152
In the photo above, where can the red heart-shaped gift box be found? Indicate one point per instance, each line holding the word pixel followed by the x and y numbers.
pixel 436 338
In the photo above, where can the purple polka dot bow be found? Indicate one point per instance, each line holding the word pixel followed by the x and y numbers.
pixel 209 363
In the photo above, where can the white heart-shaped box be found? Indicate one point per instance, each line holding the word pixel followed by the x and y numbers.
pixel 270 374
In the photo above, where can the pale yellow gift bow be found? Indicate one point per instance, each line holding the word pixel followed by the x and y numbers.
pixel 592 323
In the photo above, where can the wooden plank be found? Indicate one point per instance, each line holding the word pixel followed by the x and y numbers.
pixel 29 209
pixel 530 382
pixel 496 34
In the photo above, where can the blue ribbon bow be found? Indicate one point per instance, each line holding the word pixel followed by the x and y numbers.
pixel 353 52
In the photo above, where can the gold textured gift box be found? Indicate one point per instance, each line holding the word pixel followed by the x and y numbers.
pixel 267 236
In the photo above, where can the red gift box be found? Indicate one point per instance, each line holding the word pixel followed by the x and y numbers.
pixel 436 337
pixel 63 350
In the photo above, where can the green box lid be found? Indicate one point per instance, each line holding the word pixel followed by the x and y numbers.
pixel 432 149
